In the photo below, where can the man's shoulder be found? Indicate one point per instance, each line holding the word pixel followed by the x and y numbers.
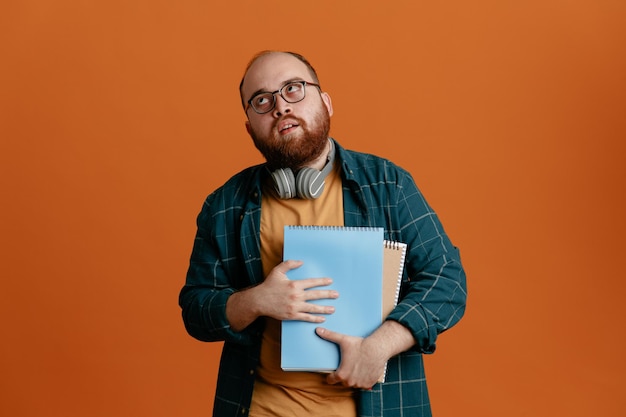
pixel 238 187
pixel 360 163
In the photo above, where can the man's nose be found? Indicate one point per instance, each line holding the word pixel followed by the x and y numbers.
pixel 281 107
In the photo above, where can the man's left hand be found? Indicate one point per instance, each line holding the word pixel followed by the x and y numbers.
pixel 362 361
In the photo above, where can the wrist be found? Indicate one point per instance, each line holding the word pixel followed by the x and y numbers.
pixel 392 338
pixel 242 309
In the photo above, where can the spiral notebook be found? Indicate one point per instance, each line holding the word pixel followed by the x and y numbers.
pixel 352 256
pixel 394 254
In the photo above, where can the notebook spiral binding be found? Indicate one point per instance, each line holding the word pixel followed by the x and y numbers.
pixel 392 244
pixel 315 227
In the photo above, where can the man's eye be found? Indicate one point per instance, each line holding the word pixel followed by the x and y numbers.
pixel 293 88
pixel 261 100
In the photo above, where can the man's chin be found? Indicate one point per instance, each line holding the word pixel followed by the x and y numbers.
pixel 292 136
pixel 290 133
pixel 292 149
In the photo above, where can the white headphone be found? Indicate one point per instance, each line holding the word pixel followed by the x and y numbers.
pixel 307 184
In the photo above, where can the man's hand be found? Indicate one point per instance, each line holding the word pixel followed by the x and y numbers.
pixel 362 363
pixel 280 298
pixel 363 360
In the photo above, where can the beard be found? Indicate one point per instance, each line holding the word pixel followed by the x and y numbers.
pixel 294 150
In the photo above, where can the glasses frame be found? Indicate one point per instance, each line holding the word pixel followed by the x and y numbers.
pixel 280 91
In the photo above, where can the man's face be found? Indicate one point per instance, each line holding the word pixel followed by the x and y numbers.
pixel 292 134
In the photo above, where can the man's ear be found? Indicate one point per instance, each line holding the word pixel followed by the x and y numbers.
pixel 328 103
pixel 248 128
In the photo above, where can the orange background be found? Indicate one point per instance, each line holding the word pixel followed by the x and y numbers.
pixel 117 118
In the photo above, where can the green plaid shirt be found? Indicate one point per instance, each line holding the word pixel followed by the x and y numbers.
pixel 226 257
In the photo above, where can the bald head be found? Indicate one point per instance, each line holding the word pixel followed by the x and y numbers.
pixel 264 55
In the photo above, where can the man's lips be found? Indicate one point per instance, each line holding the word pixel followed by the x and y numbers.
pixel 287 126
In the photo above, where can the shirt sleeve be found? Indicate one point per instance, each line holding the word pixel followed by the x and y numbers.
pixel 209 282
pixel 434 294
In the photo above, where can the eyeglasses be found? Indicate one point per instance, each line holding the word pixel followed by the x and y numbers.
pixel 291 92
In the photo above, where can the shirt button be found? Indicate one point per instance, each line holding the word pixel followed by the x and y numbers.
pixel 251 371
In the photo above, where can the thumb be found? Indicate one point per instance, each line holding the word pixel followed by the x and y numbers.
pixel 329 335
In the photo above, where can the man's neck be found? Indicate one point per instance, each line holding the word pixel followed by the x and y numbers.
pixel 319 162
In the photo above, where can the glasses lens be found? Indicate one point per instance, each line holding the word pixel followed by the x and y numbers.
pixel 263 103
pixel 293 92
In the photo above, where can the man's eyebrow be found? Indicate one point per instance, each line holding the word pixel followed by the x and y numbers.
pixel 262 90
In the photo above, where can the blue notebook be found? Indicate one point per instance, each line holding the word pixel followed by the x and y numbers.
pixel 353 258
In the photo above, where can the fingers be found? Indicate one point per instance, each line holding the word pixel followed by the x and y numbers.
pixel 332 379
pixel 307 311
pixel 288 265
pixel 313 313
pixel 307 283
pixel 320 294
pixel 329 335
pixel 292 299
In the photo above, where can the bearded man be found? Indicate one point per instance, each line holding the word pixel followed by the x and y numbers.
pixel 237 290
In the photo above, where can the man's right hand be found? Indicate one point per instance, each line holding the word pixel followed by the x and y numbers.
pixel 280 298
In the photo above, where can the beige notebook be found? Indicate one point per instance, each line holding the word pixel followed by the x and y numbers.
pixel 393 267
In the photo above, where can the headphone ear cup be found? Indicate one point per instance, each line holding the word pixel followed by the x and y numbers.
pixel 309 185
pixel 284 183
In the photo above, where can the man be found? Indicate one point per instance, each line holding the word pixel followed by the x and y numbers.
pixel 237 290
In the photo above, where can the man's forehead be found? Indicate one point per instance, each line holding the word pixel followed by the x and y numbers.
pixel 274 68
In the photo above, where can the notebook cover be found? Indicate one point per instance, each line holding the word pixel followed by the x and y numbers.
pixel 353 258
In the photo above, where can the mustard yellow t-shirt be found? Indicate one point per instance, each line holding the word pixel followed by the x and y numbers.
pixel 301 394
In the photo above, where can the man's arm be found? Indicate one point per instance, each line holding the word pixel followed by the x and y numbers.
pixel 432 299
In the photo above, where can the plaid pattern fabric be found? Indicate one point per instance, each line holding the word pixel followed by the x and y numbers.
pixel 226 257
